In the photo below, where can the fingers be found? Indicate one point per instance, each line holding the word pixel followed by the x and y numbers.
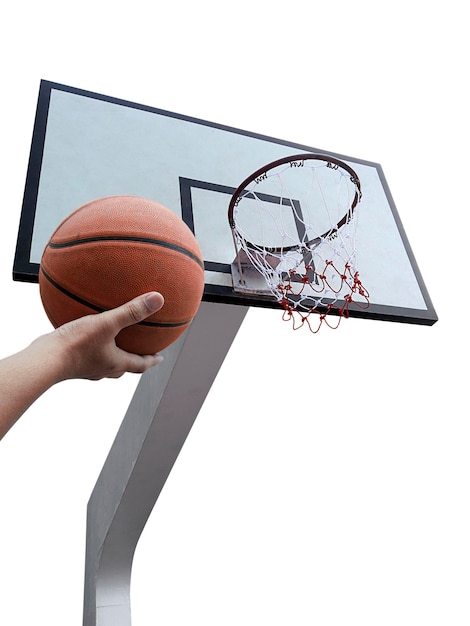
pixel 136 310
pixel 140 364
pixel 88 346
pixel 121 363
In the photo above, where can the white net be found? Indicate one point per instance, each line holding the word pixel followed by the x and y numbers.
pixel 294 225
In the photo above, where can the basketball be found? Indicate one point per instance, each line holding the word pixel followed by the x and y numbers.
pixel 113 249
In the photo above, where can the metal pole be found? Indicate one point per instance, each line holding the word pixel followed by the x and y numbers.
pixel 160 416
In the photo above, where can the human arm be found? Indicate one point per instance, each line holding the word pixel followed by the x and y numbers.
pixel 84 348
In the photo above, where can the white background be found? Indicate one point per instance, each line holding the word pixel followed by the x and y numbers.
pixel 326 479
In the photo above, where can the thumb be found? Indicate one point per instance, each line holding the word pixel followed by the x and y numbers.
pixel 136 310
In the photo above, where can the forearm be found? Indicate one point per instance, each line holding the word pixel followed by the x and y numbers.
pixel 24 377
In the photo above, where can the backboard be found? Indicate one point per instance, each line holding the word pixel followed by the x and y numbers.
pixel 87 145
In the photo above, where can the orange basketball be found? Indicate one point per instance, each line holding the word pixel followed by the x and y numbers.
pixel 113 249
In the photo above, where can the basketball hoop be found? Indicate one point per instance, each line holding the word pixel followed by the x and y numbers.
pixel 301 212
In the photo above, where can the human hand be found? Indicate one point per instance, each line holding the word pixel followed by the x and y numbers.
pixel 87 345
pixel 84 348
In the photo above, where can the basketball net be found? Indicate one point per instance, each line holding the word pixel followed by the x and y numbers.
pixel 301 212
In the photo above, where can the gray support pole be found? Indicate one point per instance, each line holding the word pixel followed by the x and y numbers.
pixel 160 416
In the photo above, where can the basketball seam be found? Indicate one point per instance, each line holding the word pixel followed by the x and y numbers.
pixel 149 240
pixel 98 309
